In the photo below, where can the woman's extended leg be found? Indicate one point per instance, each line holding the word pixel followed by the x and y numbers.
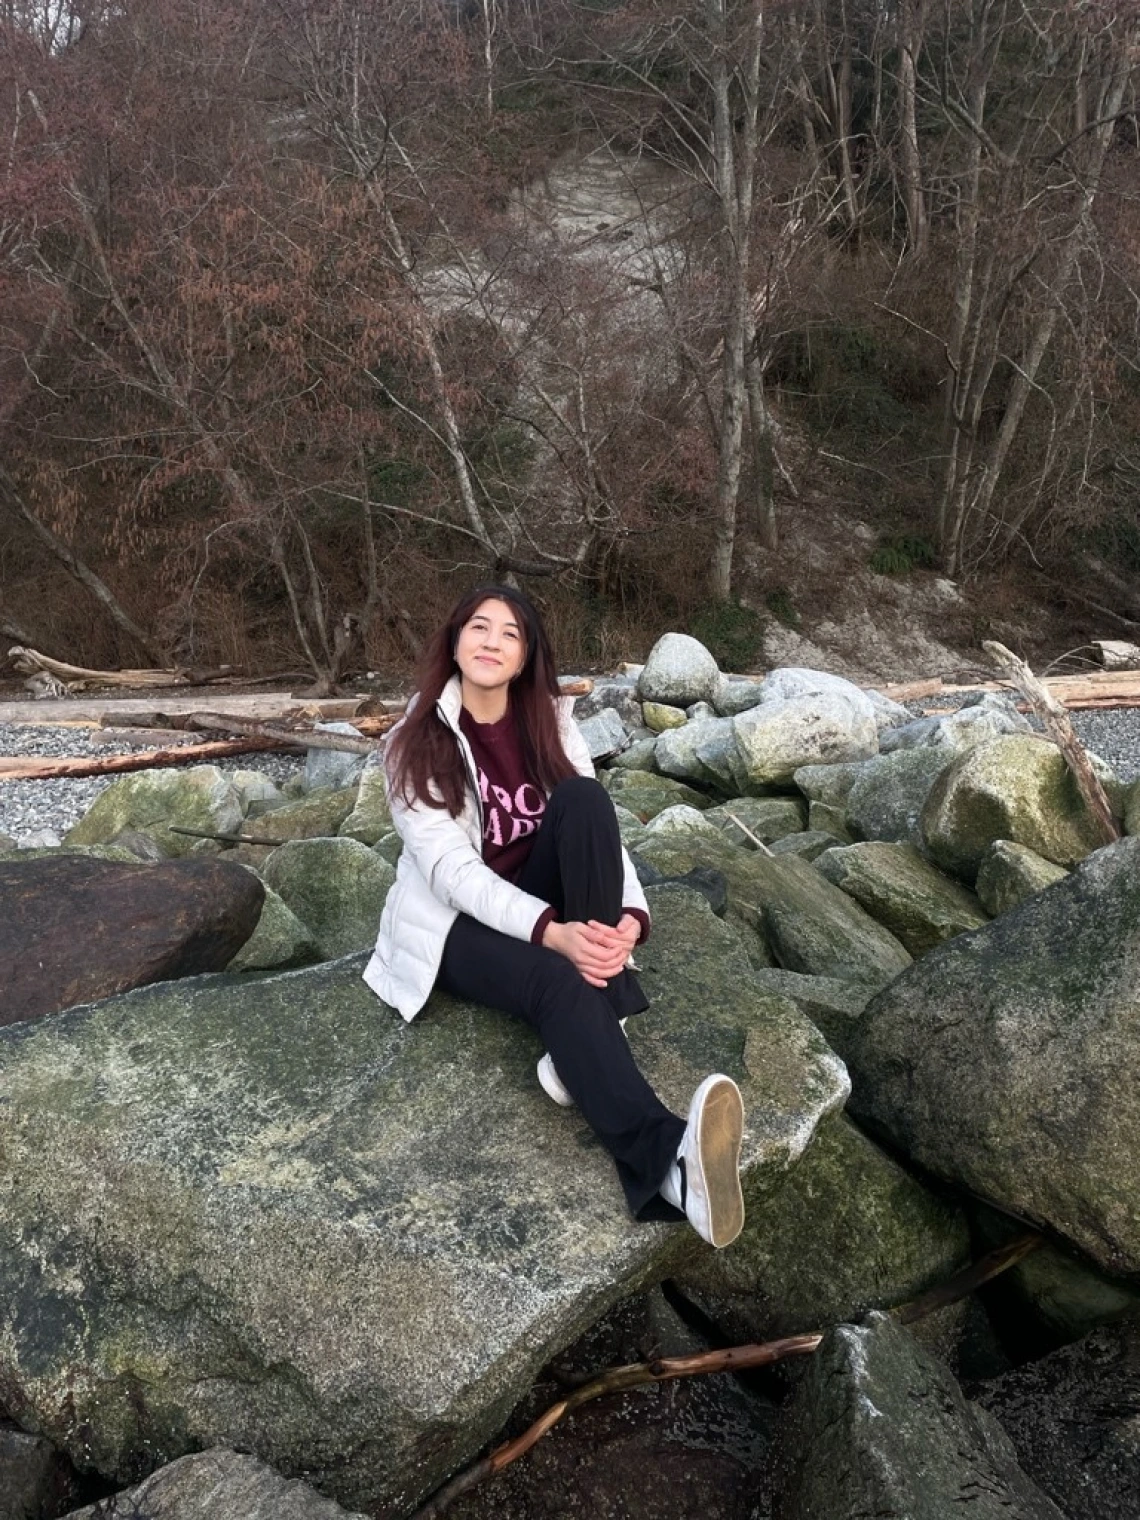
pixel 581 1031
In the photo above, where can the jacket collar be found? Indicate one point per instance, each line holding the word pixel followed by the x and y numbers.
pixel 450 703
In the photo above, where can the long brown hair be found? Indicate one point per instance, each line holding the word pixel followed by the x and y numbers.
pixel 424 762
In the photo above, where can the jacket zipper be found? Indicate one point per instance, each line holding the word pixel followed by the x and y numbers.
pixel 468 765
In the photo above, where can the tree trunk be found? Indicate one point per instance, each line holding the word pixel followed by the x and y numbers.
pixel 911 21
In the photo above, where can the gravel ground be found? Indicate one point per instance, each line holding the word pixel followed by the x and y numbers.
pixel 27 808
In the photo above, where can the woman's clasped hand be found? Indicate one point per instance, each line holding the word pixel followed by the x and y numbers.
pixel 599 951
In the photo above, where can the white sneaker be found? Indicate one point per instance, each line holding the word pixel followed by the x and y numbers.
pixel 704 1181
pixel 551 1082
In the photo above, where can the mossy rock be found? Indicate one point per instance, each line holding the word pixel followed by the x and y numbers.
pixel 828 783
pixel 765 818
pixel 890 792
pixel 265 1213
pixel 844 1230
pixel 1005 1060
pixel 336 887
pixel 679 821
pixel 647 794
pixel 1009 873
pixel 825 818
pixel 906 894
pixel 202 797
pixel 319 815
pixel 834 1006
pixel 371 818
pixel 808 845
pixel 279 940
pixel 659 716
pixel 1017 788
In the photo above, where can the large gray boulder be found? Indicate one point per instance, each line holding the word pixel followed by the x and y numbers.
pixel 1007 1059
pixel 679 671
pixel 788 682
pixel 816 928
pixel 202 798
pixel 332 770
pixel 780 736
pixel 217 1485
pixel 830 784
pixel 270 1215
pixel 702 751
pixel 605 733
pixel 618 694
pixel 970 726
pixel 1017 788
pixel 879 1427
pixel 846 1230
pixel 903 892
pixel 887 796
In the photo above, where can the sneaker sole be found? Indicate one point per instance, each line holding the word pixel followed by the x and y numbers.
pixel 720 1131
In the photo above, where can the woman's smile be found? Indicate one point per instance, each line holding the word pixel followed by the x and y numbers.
pixel 490 651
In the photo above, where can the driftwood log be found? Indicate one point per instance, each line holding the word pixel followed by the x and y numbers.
pixel 30 662
pixel 1117 654
pixel 1059 727
pixel 1101 688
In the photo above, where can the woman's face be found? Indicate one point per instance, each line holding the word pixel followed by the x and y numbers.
pixel 491 648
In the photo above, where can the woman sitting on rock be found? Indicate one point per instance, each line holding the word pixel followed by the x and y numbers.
pixel 513 890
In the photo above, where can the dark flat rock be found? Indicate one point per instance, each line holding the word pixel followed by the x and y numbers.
pixel 74 929
pixel 1074 1420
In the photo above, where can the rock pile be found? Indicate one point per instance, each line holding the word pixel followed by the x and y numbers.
pixel 246 1210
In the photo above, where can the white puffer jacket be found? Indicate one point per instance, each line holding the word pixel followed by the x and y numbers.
pixel 441 874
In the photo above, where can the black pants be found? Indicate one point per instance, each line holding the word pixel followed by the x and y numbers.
pixel 575 865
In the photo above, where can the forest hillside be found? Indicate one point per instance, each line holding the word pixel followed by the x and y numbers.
pixel 809 327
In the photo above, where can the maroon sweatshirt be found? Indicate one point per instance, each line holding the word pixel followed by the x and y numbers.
pixel 512 805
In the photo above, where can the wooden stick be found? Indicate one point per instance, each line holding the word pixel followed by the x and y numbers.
pixel 175 828
pixel 744 829
pixel 1059 726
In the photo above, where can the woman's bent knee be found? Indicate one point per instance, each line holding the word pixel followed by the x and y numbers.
pixel 580 793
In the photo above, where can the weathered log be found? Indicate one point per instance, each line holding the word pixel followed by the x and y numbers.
pixel 31 661
pixel 291 738
pixel 27 768
pixel 1117 654
pixel 1060 728
pixel 143 738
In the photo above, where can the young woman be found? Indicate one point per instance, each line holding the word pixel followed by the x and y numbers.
pixel 513 890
